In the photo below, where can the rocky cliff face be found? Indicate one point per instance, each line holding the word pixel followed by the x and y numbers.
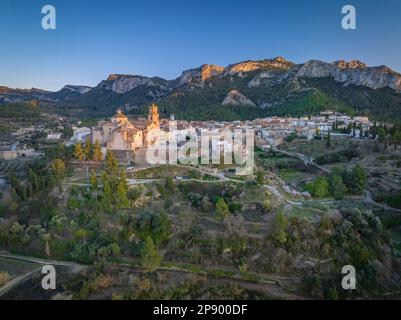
pixel 352 73
pixel 372 77
pixel 236 98
pixel 123 83
pixel 197 76
pixel 247 66
pixel 78 89
pixel 353 64
pixel 270 78
pixel 210 70
pixel 278 69
pixel 316 69
pixel 191 77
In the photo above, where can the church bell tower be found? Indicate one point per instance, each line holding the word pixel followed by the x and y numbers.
pixel 153 116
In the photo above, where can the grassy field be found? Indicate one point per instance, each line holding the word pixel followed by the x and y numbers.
pixel 164 171
pixel 291 175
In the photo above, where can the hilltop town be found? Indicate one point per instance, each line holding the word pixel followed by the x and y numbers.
pixel 85 191
pixel 216 151
pixel 123 135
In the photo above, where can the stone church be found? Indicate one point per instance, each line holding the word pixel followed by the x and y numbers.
pixel 125 137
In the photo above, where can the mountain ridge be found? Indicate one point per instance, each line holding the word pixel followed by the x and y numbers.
pixel 255 85
pixel 206 71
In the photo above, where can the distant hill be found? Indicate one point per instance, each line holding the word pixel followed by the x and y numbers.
pixel 243 90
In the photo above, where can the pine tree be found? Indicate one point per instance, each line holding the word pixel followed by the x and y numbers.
pixel 14 180
pixel 260 177
pixel 328 140
pixel 107 196
pixel 320 187
pixel 222 209
pixel 13 201
pixel 111 163
pixel 58 169
pixel 78 152
pixel 360 178
pixel 112 170
pixel 150 258
pixel 169 184
pixel 382 134
pixel 88 150
pixel 122 189
pixel 30 190
pixel 279 232
pixel 396 139
pixel 122 199
pixel 337 187
pixel 24 192
pixel 46 239
pixel 93 181
pixel 97 152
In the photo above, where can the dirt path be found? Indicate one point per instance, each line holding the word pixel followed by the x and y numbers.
pixel 74 268
pixel 369 199
pixel 307 160
pixel 17 281
pixel 269 285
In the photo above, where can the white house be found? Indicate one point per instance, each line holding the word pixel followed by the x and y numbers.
pixel 54 136
pixel 80 134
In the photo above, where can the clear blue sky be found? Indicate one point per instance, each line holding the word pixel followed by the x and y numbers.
pixel 96 38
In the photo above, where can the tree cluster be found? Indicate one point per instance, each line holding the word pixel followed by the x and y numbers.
pixel 339 182
pixel 88 151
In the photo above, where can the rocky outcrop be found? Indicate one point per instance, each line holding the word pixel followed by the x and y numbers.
pixel 275 71
pixel 316 69
pixel 236 98
pixel 10 95
pixel 210 70
pixel 352 73
pixel 372 77
pixel 270 78
pixel 198 75
pixel 121 84
pixel 78 89
pixel 247 66
pixel 353 64
pixel 191 77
